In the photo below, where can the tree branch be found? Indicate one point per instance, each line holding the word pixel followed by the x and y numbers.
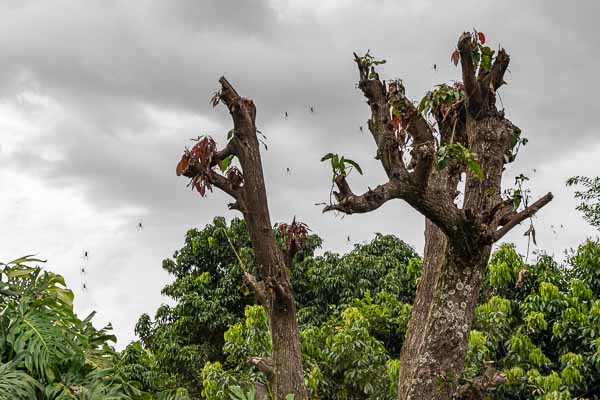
pixel 242 110
pixel 228 94
pixel 481 384
pixel 264 364
pixel 349 203
pixel 499 68
pixel 224 184
pixel 521 216
pixel 388 105
pixel 472 88
pixel 412 120
pixel 423 156
pixel 498 211
pixel 380 123
pixel 258 287
pixel 229 150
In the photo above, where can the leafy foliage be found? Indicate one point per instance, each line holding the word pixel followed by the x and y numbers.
pixel 46 352
pixel 544 335
pixel 519 194
pixel 482 55
pixel 341 166
pixel 442 100
pixel 517 142
pixel 460 154
pixel 203 342
pixel 539 323
pixel 294 234
pixel 140 366
pixel 371 62
pixel 210 297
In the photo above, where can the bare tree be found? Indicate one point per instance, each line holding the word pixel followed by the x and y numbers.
pixel 424 166
pixel 272 287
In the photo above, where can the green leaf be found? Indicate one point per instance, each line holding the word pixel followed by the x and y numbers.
pixel 327 156
pixel 517 199
pixel 354 164
pixel 475 168
pixel 20 272
pixel 424 105
pixel 224 164
pixel 237 393
pixel 25 259
pixel 442 162
pixel 486 62
pixel 487 51
pixel 212 242
pixel 66 296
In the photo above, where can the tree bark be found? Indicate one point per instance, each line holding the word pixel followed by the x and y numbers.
pixel 435 364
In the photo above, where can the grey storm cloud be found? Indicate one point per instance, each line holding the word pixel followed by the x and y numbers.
pixel 116 67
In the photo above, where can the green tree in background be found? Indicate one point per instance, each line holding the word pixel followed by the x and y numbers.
pixel 206 338
pixel 209 296
pixel 542 329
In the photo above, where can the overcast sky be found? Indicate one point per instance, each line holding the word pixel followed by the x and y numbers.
pixel 99 98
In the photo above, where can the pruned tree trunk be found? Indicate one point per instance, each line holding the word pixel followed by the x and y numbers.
pixel 437 363
pixel 273 289
pixel 474 140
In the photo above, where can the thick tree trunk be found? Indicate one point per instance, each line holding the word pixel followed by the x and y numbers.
pixel 435 248
pixel 286 355
pixel 434 366
pixel 434 353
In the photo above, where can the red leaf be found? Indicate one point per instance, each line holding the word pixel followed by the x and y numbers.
pixel 455 57
pixel 395 122
pixel 182 165
pixel 481 37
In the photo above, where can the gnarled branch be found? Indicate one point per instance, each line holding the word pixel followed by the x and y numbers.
pixel 380 123
pixel 521 216
pixel 499 68
pixel 423 157
pixel 224 184
pixel 349 203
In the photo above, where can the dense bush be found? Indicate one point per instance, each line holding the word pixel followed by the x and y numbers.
pixel 545 331
pixel 46 352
